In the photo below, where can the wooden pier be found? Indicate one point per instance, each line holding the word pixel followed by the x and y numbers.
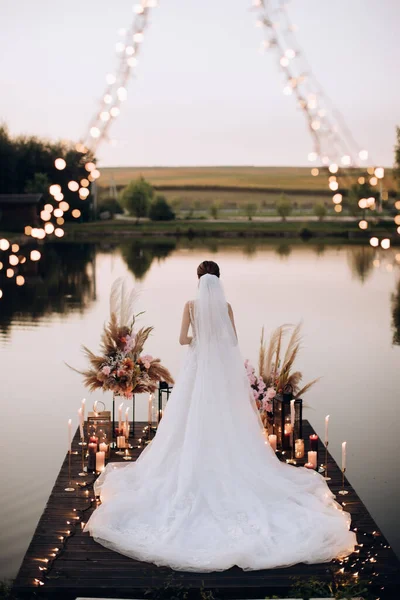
pixel 64 563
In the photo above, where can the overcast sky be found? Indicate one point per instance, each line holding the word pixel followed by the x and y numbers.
pixel 204 95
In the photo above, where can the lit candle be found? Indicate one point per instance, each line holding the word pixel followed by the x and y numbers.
pixel 150 409
pixel 80 413
pixel 100 460
pixel 344 444
pixel 272 441
pixel 309 466
pixel 120 415
pixel 314 442
pixel 292 413
pixel 326 429
pixel 69 435
pixel 83 408
pixel 121 441
pixel 127 420
pixel 288 428
pixel 95 407
pixel 312 458
pixel 299 448
pixel 103 447
pixel 127 456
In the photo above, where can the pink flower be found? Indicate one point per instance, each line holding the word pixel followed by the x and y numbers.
pixel 267 405
pixel 252 379
pixel 130 342
pixel 271 393
pixel 261 384
pixel 106 370
pixel 255 394
pixel 146 360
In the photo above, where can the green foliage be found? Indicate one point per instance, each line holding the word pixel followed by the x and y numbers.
pixel 137 197
pixel 110 205
pixel 320 211
pixel 173 589
pixel 340 587
pixel 358 191
pixel 250 209
pixel 27 166
pixel 396 167
pixel 214 210
pixel 160 210
pixel 284 207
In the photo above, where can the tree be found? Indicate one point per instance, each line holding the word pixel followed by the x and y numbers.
pixel 284 207
pixel 137 196
pixel 356 193
pixel 250 209
pixel 160 210
pixel 214 210
pixel 320 210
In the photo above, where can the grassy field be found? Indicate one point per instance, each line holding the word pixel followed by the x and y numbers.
pixel 283 178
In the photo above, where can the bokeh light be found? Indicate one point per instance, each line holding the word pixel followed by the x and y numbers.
pixel 60 164
pixel 35 255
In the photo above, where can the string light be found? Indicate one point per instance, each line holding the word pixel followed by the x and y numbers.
pixel 60 164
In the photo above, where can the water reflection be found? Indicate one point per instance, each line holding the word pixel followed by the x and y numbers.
pixel 396 315
pixel 61 282
pixel 361 261
pixel 139 256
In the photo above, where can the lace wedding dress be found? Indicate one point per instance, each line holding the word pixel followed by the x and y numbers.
pixel 208 492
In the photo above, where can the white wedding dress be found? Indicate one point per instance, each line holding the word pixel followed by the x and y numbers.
pixel 208 492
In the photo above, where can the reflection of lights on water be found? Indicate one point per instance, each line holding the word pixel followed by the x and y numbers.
pixel 60 164
pixel 337 198
pixel 374 242
pixel 73 186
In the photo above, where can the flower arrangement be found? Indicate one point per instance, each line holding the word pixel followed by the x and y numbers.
pixel 262 395
pixel 277 371
pixel 121 367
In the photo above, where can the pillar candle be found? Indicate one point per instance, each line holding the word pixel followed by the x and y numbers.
pixel 92 449
pixel 127 422
pixel 299 448
pixel 326 429
pixel 121 441
pixel 272 441
pixel 103 447
pixel 80 413
pixel 344 444
pixel 125 430
pixel 83 408
pixel 150 409
pixel 314 442
pixel 292 413
pixel 95 407
pixel 309 466
pixel 100 460
pixel 312 458
pixel 69 435
pixel 120 415
pixel 288 428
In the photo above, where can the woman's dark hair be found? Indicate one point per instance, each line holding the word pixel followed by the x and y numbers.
pixel 207 266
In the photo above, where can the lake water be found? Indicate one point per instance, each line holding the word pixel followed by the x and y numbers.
pixel 348 298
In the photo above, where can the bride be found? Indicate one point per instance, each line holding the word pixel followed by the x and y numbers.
pixel 208 492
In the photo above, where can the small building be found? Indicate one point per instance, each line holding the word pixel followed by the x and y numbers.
pixel 19 210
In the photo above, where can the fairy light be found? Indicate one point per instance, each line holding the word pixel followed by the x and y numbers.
pixel 35 255
pixel 73 186
pixel 60 164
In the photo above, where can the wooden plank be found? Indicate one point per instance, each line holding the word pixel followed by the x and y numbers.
pixel 84 567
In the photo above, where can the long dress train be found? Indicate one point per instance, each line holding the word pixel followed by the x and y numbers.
pixel 208 492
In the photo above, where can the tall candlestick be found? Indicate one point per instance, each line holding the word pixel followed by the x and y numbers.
pixel 120 415
pixel 127 422
pixel 83 403
pixel 95 407
pixel 326 429
pixel 292 412
pixel 103 447
pixel 344 444
pixel 121 441
pixel 80 413
pixel 69 435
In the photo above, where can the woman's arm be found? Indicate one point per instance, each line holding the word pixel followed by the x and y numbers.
pixel 230 311
pixel 184 339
